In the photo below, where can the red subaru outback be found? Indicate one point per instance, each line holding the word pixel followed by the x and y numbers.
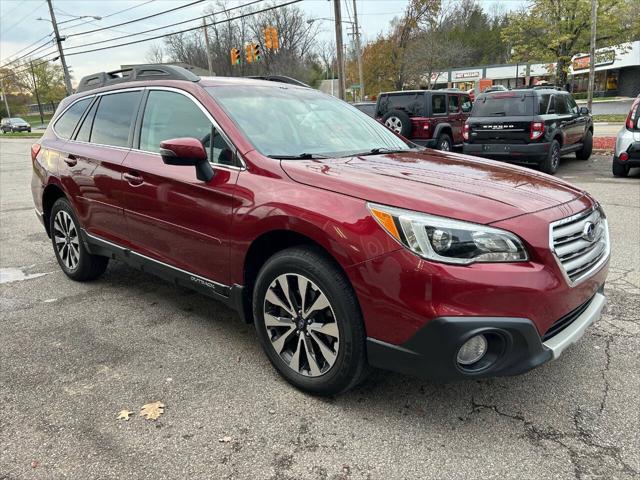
pixel 345 245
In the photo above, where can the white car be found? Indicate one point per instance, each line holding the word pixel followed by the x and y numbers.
pixel 627 153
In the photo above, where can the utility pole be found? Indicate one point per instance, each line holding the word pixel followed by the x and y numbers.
pixel 35 86
pixel 592 53
pixel 208 46
pixel 4 96
pixel 339 48
pixel 358 49
pixel 67 77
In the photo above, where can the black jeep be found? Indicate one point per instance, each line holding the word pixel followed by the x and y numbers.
pixel 536 125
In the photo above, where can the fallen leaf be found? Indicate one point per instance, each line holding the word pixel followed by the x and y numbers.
pixel 151 411
pixel 35 464
pixel 225 439
pixel 124 414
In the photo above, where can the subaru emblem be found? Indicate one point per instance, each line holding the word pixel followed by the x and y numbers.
pixel 589 232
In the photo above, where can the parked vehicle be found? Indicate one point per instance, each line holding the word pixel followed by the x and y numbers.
pixel 537 126
pixel 367 107
pixel 627 153
pixel 431 118
pixel 496 88
pixel 15 124
pixel 345 245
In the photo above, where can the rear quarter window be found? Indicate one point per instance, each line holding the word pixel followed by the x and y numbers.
pixel 67 122
pixel 411 103
pixel 503 105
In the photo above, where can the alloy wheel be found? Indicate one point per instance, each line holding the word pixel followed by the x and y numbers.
pixel 66 239
pixel 555 157
pixel 301 325
pixel 394 123
pixel 444 146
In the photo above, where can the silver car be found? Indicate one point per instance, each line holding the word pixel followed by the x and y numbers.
pixel 627 152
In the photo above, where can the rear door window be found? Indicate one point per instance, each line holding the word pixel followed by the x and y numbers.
pixel 503 105
pixel 438 104
pixel 115 114
pixel 467 105
pixel 66 124
pixel 454 102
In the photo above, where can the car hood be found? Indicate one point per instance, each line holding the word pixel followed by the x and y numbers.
pixel 447 184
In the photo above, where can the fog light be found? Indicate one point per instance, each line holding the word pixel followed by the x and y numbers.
pixel 472 350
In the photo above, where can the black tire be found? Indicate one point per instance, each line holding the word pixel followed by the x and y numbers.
pixel 551 162
pixel 29 131
pixel 444 142
pixel 401 124
pixel 86 267
pixel 620 170
pixel 587 147
pixel 350 365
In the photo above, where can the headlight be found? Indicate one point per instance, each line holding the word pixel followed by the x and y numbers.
pixel 446 240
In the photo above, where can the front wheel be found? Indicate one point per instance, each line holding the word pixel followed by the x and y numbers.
pixel 551 162
pixel 309 322
pixel 74 259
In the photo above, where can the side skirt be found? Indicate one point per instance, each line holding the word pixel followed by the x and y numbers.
pixel 229 295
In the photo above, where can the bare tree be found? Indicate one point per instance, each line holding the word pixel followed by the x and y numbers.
pixel 155 54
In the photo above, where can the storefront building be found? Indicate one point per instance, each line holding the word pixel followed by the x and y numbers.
pixel 617 73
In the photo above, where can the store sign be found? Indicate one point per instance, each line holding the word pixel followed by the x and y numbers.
pixel 605 57
pixel 463 75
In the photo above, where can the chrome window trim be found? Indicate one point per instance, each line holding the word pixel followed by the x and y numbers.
pixel 211 119
pixel 597 266
pixel 57 119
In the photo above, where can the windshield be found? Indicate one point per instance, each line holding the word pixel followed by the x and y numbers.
pixel 507 104
pixel 284 121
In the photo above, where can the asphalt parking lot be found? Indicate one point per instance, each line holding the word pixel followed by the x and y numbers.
pixel 74 355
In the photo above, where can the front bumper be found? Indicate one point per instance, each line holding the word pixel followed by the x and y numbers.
pixel 503 151
pixel 515 345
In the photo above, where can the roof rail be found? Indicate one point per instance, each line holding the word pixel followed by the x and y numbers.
pixel 137 72
pixel 281 79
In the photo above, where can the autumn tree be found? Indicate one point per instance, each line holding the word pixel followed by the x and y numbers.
pixel 556 30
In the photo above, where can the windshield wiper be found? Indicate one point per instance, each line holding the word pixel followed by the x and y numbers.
pixel 301 156
pixel 375 151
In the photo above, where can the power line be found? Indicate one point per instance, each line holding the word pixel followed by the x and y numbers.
pixel 28 54
pixel 291 2
pixel 137 19
pixel 22 19
pixel 127 9
pixel 165 26
pixel 29 46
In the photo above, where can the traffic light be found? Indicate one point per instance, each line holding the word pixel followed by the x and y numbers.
pixel 271 38
pixel 248 51
pixel 257 53
pixel 235 56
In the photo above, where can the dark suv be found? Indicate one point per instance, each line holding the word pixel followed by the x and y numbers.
pixel 529 126
pixel 431 118
pixel 345 244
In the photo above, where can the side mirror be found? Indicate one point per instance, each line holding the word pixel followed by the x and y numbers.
pixel 584 111
pixel 187 152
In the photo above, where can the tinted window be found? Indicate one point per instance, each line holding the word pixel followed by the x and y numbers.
pixel 369 109
pixel 503 105
pixel 412 103
pixel 113 119
pixel 466 103
pixel 65 125
pixel 438 104
pixel 84 134
pixel 543 103
pixel 454 101
pixel 170 115
pixel 561 104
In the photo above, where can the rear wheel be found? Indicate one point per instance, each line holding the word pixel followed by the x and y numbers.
pixel 587 147
pixel 551 162
pixel 620 170
pixel 444 142
pixel 309 323
pixel 74 259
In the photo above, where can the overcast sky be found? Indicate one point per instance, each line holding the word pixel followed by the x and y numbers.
pixel 19 26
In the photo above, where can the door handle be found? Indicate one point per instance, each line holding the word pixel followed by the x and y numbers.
pixel 71 160
pixel 133 178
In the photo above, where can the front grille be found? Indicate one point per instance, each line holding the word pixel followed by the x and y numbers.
pixel 578 253
pixel 565 321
